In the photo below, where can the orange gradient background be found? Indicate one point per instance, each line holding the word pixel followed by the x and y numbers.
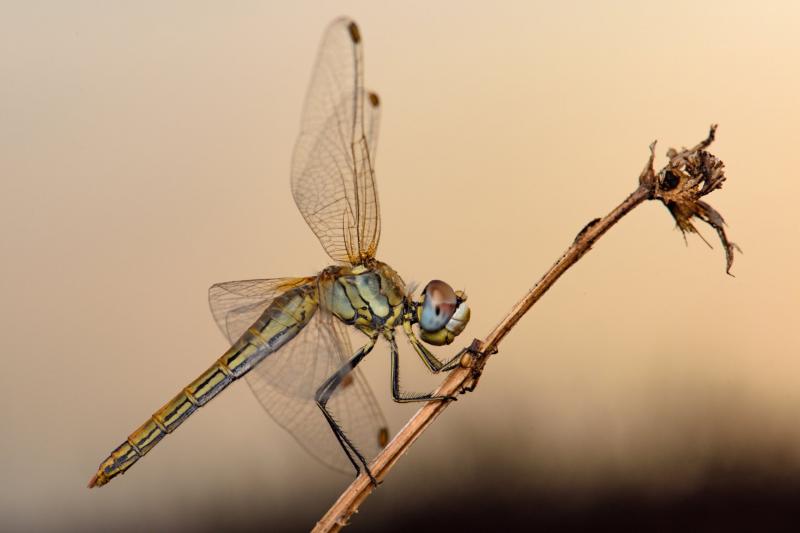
pixel 144 155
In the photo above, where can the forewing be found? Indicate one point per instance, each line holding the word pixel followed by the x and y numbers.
pixel 237 304
pixel 333 181
pixel 285 383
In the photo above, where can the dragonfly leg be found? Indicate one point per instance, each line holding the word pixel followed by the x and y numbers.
pixel 431 361
pixel 406 397
pixel 323 395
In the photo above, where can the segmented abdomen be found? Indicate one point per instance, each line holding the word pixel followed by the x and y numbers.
pixel 278 324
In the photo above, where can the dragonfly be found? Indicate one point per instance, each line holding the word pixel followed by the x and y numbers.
pixel 289 336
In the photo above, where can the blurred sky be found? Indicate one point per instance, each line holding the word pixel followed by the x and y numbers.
pixel 144 155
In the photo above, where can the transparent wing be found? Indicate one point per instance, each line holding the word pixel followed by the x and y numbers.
pixel 333 181
pixel 237 304
pixel 285 383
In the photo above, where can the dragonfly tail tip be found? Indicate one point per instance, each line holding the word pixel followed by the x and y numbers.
pixel 94 482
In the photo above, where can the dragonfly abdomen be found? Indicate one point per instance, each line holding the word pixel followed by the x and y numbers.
pixel 278 324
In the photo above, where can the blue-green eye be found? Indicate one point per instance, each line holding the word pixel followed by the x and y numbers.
pixel 439 302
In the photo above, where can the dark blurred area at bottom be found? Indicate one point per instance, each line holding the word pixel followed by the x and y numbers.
pixel 731 500
pixel 724 507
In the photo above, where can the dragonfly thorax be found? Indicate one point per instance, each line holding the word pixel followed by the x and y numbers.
pixel 371 297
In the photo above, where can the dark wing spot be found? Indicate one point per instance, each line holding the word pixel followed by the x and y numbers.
pixel 374 100
pixel 347 381
pixel 355 35
pixel 383 437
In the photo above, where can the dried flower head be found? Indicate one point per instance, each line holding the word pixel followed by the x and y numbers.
pixel 689 175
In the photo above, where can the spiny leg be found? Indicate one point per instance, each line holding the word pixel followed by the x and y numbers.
pixel 323 395
pixel 430 360
pixel 404 397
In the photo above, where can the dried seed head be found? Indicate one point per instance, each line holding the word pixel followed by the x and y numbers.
pixel 689 175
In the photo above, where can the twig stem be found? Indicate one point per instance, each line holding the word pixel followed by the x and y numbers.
pixel 582 244
pixel 465 378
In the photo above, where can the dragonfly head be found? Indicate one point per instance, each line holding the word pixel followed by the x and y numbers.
pixel 442 313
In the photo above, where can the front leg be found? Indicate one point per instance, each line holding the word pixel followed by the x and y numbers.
pixel 405 397
pixel 430 360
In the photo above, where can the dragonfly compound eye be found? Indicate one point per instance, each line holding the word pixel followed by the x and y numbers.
pixel 442 313
pixel 438 305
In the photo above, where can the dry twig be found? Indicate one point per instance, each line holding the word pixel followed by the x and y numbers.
pixel 688 175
